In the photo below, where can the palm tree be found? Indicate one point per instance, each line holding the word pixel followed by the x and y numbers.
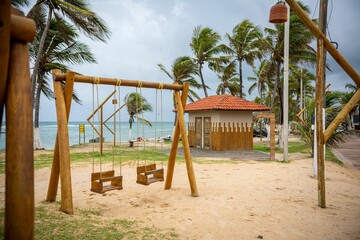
pixel 300 51
pixel 332 109
pixel 136 104
pixel 229 78
pixel 298 77
pixel 245 44
pixel 183 70
pixel 204 44
pixel 76 11
pixel 261 81
pixel 59 50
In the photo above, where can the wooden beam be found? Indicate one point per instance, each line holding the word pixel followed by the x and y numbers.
pixel 102 104
pixel 341 115
pixel 64 150
pixel 22 28
pixel 124 82
pixel 175 142
pixel 19 169
pixel 295 7
pixel 319 122
pixel 185 142
pixel 55 168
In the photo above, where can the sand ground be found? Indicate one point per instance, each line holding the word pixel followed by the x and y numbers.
pixel 238 200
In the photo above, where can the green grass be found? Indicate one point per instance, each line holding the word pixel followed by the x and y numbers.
pixel 297 147
pixel 109 155
pixel 50 223
pixel 294 147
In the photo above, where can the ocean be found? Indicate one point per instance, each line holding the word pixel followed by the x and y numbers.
pixel 48 132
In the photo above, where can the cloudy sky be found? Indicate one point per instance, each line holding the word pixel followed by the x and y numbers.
pixel 148 32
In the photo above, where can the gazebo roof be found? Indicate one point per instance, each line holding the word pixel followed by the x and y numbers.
pixel 224 102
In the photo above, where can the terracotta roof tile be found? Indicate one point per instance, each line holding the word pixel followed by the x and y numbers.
pixel 225 102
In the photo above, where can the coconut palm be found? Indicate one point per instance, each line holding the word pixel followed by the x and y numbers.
pixel 261 81
pixel 245 44
pixel 136 105
pixel 183 70
pixel 204 44
pixel 229 79
pixel 300 51
pixel 58 52
pixel 76 11
pixel 333 107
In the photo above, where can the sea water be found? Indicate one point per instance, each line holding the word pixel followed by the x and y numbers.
pixel 48 132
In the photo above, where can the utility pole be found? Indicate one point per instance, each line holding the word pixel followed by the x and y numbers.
pixel 323 27
pixel 286 86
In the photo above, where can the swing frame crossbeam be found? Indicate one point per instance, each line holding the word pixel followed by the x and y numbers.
pixel 61 159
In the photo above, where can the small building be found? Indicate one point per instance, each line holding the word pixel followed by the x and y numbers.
pixel 222 122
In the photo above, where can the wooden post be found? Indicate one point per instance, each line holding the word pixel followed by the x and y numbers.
pixel 19 172
pixel 64 150
pixel 185 142
pixel 319 122
pixel 328 45
pixel 55 168
pixel 175 142
pixel 272 137
pixel 341 115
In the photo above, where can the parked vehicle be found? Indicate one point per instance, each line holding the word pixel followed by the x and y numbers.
pixel 256 133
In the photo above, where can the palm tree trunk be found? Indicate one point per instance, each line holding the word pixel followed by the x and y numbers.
pixel 202 80
pixel 40 51
pixel 37 138
pixel 240 78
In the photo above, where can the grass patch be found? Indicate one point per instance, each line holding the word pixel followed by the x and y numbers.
pixel 294 147
pixel 50 223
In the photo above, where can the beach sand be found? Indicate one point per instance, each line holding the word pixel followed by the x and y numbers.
pixel 238 200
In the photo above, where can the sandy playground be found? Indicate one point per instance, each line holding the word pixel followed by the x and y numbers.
pixel 238 200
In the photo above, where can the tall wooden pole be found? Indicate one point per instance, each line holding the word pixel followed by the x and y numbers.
pixel 175 142
pixel 323 27
pixel 64 150
pixel 185 142
pixel 55 168
pixel 19 172
pixel 319 122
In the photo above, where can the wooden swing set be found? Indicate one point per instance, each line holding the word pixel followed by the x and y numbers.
pixel 15 93
pixel 104 181
pixel 61 160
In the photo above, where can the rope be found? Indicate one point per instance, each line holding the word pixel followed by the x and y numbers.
pixel 120 155
pixel 162 125
pixel 114 134
pixel 142 116
pixel 156 109
pixel 93 132
pixel 118 82
pixel 137 122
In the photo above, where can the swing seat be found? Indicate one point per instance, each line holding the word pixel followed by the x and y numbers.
pixel 149 174
pixel 102 182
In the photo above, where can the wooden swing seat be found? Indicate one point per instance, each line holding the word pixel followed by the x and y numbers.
pixel 99 179
pixel 149 174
